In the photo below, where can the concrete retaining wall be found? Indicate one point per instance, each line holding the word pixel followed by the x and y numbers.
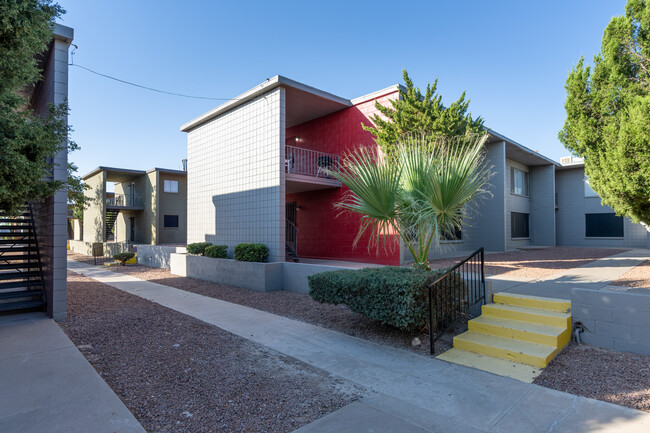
pixel 81 247
pixel 256 276
pixel 157 256
pixel 617 321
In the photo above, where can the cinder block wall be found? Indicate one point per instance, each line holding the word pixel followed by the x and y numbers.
pixel 235 181
pixel 618 321
pixel 489 218
pixel 542 205
pixel 50 216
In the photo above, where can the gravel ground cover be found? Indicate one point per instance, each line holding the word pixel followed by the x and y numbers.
pixel 295 306
pixel 636 277
pixel 178 374
pixel 535 263
pixel 616 377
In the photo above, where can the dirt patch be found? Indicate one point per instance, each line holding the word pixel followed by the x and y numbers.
pixel 615 377
pixel 638 277
pixel 296 306
pixel 178 374
pixel 535 263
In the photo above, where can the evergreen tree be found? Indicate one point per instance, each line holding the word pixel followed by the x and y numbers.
pixel 608 114
pixel 423 116
pixel 27 142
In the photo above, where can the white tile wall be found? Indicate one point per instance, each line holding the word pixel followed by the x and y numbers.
pixel 235 176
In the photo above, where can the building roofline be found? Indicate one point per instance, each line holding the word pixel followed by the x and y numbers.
pixel 572 165
pixel 375 95
pixel 63 33
pixel 131 171
pixel 495 134
pixel 266 86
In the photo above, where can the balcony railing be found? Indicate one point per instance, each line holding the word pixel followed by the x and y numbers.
pixel 310 162
pixel 126 200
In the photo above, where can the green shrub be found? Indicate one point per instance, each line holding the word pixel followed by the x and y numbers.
pixel 217 251
pixel 197 248
pixel 391 295
pixel 251 252
pixel 123 257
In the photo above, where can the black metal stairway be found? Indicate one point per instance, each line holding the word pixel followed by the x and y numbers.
pixel 111 216
pixel 21 273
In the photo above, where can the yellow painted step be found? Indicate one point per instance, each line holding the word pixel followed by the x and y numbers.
pixel 526 314
pixel 515 370
pixel 553 304
pixel 526 331
pixel 538 355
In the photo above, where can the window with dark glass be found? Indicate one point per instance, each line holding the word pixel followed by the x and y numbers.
pixel 603 225
pixel 171 221
pixel 453 234
pixel 519 227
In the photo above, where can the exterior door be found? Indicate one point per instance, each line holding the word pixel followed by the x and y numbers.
pixel 132 229
pixel 291 232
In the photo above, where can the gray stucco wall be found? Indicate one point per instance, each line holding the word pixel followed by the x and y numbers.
pixel 542 205
pixel 572 207
pixel 617 321
pixel 51 215
pixel 489 219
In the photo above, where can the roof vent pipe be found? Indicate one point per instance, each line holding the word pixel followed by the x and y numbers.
pixel 184 162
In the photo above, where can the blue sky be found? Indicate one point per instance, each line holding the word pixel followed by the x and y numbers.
pixel 511 57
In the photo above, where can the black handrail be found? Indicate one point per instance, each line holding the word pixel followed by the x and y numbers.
pixel 453 294
pixel 38 252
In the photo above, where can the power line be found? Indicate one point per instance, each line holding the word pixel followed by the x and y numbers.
pixel 149 88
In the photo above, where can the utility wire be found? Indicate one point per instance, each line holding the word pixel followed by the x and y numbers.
pixel 149 88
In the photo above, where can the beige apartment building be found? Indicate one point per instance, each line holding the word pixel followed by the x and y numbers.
pixel 145 207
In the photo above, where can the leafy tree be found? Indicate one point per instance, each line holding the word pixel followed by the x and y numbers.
pixel 608 114
pixel 76 196
pixel 418 198
pixel 27 141
pixel 420 115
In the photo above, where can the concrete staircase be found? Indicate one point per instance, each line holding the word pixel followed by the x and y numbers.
pixel 515 336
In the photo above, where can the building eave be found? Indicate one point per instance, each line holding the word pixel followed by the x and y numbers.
pixel 501 137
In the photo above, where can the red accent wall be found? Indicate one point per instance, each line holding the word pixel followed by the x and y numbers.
pixel 323 232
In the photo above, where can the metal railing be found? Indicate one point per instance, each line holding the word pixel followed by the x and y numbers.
pixel 455 293
pixel 125 200
pixel 309 162
pixel 292 237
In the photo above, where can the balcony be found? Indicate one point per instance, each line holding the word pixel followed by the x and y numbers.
pixel 307 170
pixel 125 201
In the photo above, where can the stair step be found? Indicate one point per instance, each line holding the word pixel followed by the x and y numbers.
pixel 15 220
pixel 519 330
pixel 21 305
pixel 16 241
pixel 19 284
pixel 16 250
pixel 527 314
pixel 5 257
pixel 553 304
pixel 20 294
pixel 516 370
pixel 20 225
pixel 29 265
pixel 538 355
pixel 16 275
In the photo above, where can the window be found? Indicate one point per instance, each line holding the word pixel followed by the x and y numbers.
pixel 171 221
pixel 589 192
pixel 453 234
pixel 171 186
pixel 519 182
pixel 519 225
pixel 603 225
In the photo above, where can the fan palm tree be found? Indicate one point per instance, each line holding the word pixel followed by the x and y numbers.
pixel 420 195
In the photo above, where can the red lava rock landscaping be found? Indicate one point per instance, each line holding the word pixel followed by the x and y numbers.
pixel 178 374
pixel 636 277
pixel 535 263
pixel 615 377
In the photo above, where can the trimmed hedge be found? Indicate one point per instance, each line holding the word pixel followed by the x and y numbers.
pixel 123 257
pixel 216 251
pixel 251 252
pixel 197 248
pixel 394 296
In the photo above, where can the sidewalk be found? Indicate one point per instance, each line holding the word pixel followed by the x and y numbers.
pixel 413 393
pixel 48 386
pixel 596 275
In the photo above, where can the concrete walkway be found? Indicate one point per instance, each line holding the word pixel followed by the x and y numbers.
pixel 596 275
pixel 48 386
pixel 413 393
